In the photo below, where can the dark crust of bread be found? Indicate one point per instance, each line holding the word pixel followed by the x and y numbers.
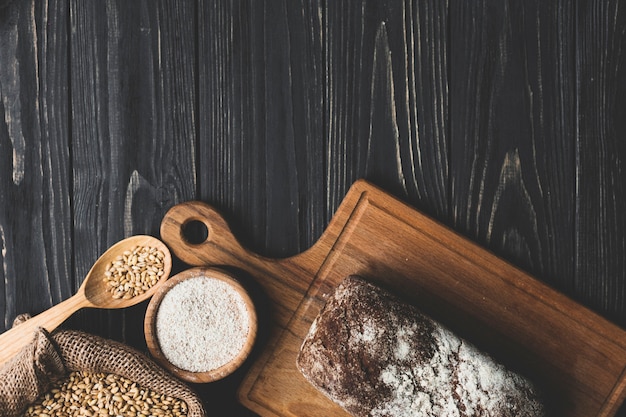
pixel 363 332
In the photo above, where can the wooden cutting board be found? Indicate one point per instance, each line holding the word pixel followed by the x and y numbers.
pixel 576 355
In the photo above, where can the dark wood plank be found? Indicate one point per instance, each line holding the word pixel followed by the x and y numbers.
pixel 387 99
pixel 298 100
pixel 261 147
pixel 35 214
pixel 601 155
pixel 133 130
pixel 512 131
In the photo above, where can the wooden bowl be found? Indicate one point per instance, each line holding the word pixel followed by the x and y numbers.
pixel 150 326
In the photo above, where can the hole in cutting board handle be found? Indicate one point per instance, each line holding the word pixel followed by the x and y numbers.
pixel 195 232
pixel 198 235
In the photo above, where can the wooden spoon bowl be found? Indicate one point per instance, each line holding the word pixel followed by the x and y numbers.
pixel 95 288
pixel 151 331
pixel 93 293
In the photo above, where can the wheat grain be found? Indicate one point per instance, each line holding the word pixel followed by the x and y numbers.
pixel 99 394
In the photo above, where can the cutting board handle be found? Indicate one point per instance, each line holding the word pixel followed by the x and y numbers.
pixel 220 245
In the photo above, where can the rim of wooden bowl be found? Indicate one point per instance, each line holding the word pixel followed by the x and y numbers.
pixel 151 334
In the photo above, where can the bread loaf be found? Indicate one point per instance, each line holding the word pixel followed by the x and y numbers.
pixel 377 356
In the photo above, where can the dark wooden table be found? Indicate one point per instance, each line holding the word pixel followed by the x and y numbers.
pixel 505 120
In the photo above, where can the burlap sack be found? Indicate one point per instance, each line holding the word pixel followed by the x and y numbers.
pixel 29 374
pixel 50 357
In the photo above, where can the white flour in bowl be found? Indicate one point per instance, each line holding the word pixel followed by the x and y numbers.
pixel 202 323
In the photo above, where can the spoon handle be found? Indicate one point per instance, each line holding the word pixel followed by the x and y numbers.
pixel 13 340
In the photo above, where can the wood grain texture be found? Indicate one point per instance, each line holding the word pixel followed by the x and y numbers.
pixel 35 216
pixel 300 99
pixel 512 131
pixel 133 127
pixel 387 99
pixel 600 155
pixel 260 127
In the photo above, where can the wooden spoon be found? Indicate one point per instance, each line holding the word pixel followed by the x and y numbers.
pixel 92 293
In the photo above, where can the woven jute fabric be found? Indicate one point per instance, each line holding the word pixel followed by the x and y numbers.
pixel 29 374
pixel 86 352
pixel 51 357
